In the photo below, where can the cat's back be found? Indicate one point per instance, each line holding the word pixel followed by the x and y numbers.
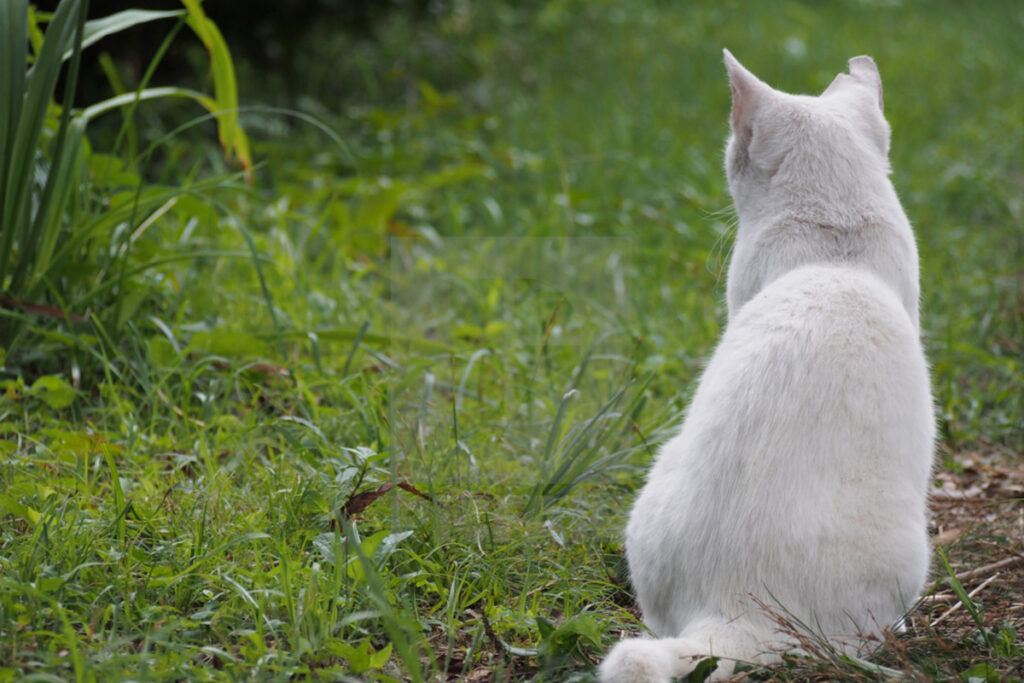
pixel 824 363
pixel 823 358
pixel 823 333
pixel 811 431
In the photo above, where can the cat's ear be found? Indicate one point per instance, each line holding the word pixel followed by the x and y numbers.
pixel 863 71
pixel 748 91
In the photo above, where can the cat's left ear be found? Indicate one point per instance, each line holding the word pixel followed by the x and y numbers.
pixel 748 91
pixel 864 71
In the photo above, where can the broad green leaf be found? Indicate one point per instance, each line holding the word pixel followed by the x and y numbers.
pixel 494 329
pixel 704 669
pixel 389 543
pixel 376 548
pixel 1005 642
pixel 368 547
pixel 362 657
pixel 455 174
pixel 108 171
pixel 69 444
pixel 162 353
pixel 358 660
pixel 565 639
pixel 53 390
pixel 981 673
pixel 381 656
pixel 12 388
pixel 222 342
pixel 467 331
pixel 329 548
pixel 13 507
pixel 377 205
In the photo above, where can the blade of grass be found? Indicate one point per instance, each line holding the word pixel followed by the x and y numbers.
pixel 127 128
pixel 533 505
pixel 355 347
pixel 351 334
pixel 98 29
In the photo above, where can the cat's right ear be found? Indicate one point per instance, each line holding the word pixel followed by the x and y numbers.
pixel 747 92
pixel 864 71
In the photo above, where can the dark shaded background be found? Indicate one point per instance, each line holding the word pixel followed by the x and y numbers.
pixel 266 38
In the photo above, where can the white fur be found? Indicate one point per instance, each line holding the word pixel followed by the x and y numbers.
pixel 800 475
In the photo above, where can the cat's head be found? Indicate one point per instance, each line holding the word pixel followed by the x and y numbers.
pixel 781 144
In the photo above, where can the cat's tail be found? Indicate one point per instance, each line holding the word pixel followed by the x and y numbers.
pixel 645 660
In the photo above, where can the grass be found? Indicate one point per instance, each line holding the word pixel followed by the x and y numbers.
pixel 380 414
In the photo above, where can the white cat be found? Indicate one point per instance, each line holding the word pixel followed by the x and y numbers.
pixel 800 475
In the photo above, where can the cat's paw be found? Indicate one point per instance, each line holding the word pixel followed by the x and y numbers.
pixel 639 660
pixel 636 661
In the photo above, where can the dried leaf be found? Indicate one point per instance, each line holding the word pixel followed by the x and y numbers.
pixel 361 501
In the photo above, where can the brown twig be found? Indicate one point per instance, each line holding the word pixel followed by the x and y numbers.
pixel 938 597
pixel 41 309
pixel 988 568
pixel 491 635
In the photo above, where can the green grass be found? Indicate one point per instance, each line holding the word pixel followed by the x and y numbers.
pixel 493 282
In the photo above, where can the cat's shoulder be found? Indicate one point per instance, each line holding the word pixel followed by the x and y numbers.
pixel 830 298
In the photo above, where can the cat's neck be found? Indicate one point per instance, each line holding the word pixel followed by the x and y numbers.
pixel 870 233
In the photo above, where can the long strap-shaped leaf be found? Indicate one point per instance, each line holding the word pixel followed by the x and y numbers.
pixel 38 86
pixel 98 29
pixel 13 39
pixel 13 45
pixel 225 87
pixel 64 175
pixel 38 243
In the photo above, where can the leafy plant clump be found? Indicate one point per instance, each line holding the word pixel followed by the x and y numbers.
pixel 71 217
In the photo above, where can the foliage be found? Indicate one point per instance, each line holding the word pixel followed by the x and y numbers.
pixel 378 415
pixel 52 220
